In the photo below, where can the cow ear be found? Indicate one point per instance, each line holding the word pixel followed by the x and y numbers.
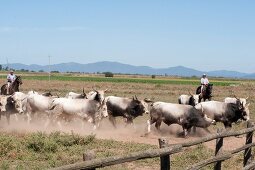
pixel 147 100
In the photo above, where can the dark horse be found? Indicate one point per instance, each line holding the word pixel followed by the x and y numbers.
pixel 13 87
pixel 206 94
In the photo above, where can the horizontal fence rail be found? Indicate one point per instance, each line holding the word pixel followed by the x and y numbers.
pixel 166 150
pixel 221 157
pixel 99 163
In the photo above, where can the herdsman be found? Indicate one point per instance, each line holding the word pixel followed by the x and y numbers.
pixel 204 82
pixel 10 79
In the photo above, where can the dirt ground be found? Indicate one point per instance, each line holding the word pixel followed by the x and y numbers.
pixel 130 133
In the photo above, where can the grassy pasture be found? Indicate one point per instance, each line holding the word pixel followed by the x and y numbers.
pixel 42 151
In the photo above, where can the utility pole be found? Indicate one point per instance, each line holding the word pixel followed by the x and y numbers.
pixel 49 68
pixel 7 64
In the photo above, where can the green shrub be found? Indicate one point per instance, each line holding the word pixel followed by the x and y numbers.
pixel 108 74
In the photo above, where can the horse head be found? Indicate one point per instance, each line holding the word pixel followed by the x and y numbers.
pixel 18 80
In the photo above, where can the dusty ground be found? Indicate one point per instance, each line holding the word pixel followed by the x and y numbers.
pixel 131 133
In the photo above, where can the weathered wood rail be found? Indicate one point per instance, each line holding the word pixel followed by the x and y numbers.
pixel 166 151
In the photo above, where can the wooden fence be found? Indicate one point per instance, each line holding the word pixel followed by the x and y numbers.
pixel 166 151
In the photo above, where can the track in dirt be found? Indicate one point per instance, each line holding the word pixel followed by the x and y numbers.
pixel 129 133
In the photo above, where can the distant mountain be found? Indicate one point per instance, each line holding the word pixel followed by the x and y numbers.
pixel 117 67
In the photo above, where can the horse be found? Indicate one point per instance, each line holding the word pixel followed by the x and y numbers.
pixel 14 87
pixel 206 94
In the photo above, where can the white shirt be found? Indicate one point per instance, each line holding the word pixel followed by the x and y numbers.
pixel 204 81
pixel 11 77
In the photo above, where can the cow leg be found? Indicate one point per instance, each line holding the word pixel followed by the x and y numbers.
pixel 194 129
pixel 16 117
pixel 158 124
pixel 8 118
pixel 59 125
pixel 113 121
pixel 207 130
pixel 148 126
pixel 129 120
pixel 227 125
pixel 28 118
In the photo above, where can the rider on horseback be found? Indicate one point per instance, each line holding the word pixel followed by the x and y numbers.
pixel 10 79
pixel 204 83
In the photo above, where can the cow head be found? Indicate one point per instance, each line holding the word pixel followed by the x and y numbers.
pixel 17 99
pixel 137 108
pixel 146 104
pixel 243 111
pixel 97 95
pixel 3 103
pixel 209 89
pixel 194 99
pixel 103 109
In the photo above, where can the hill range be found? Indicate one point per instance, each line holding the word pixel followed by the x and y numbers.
pixel 116 67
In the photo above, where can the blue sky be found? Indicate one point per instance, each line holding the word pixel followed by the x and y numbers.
pixel 204 35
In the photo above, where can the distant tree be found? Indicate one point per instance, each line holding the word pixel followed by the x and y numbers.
pixel 108 74
pixel 54 71
pixel 1 67
pixel 40 71
pixel 153 76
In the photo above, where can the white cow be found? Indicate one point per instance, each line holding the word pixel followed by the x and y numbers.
pixel 7 107
pixel 184 115
pixel 235 99
pixel 73 95
pixel 38 103
pixel 192 99
pixel 227 113
pixel 85 109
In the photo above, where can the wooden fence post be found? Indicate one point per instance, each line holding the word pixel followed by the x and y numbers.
pixel 247 152
pixel 164 160
pixel 219 144
pixel 89 156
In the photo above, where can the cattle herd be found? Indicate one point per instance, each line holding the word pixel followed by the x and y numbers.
pixel 94 106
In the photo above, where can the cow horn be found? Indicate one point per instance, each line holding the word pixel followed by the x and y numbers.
pixel 136 97
pixel 247 98
pixel 83 90
pixel 190 93
pixel 235 96
pixel 105 90
pixel 94 89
